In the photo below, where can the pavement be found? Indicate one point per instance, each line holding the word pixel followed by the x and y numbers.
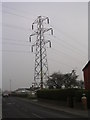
pixel 47 104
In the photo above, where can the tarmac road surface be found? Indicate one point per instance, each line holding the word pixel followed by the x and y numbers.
pixel 14 107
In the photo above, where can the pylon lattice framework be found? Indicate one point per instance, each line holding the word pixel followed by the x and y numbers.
pixel 41 65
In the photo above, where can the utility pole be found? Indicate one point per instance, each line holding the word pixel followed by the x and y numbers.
pixel 41 66
pixel 10 85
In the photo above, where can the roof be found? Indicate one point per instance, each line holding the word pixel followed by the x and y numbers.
pixel 22 89
pixel 86 65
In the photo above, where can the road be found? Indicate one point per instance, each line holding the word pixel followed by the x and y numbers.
pixel 14 107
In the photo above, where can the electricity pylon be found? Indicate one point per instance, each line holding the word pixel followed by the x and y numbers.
pixel 41 65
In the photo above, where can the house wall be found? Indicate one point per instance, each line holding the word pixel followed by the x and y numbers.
pixel 87 77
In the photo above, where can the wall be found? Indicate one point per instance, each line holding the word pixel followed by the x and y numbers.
pixel 87 77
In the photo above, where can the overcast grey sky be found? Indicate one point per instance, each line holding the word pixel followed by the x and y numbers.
pixel 0 46
pixel 69 42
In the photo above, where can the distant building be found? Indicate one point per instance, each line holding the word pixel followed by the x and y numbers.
pixel 22 90
pixel 86 73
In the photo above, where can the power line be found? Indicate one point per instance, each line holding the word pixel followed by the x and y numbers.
pixel 14 27
pixel 5 12
pixel 14 51
pixel 18 51
pixel 50 25
pixel 54 49
pixel 63 53
pixel 15 9
pixel 66 53
pixel 30 52
pixel 68 43
pixel 75 49
pixel 65 34
pixel 14 40
pixel 60 62
pixel 69 46
pixel 59 51
pixel 9 43
pixel 58 56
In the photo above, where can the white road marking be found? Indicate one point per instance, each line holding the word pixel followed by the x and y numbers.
pixel 36 115
pixel 10 103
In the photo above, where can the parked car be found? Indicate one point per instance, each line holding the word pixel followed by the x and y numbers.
pixel 5 94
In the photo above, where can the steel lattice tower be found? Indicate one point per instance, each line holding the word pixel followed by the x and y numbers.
pixel 41 65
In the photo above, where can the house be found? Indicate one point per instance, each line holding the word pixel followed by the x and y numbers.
pixel 22 90
pixel 86 73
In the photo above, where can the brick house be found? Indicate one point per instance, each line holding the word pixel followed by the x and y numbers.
pixel 86 73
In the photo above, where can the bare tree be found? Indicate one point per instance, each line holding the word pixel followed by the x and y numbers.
pixel 57 80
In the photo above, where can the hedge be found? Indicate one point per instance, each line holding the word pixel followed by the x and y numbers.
pixel 24 95
pixel 61 94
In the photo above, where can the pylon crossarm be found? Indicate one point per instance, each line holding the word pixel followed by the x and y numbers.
pixel 32 47
pixel 32 35
pixel 49 29
pixel 46 18
pixel 48 41
pixel 35 22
